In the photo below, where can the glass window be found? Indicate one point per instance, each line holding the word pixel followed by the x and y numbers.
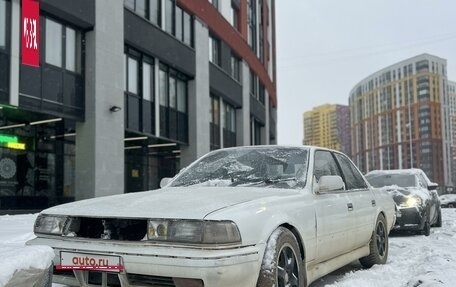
pixel 132 75
pixel 130 4
pixel 2 24
pixel 235 67
pixel 229 121
pixel 252 23
pixel 215 3
pixel 181 96
pixel 169 16
pixel 187 28
pixel 234 17
pixel 125 72
pixel 324 164
pixel 148 82
pixel 253 84
pixel 353 179
pixel 172 92
pixel 163 88
pixel 214 50
pixel 53 43
pixel 70 54
pixel 179 23
pixel 154 11
pixel 141 8
pixel 215 111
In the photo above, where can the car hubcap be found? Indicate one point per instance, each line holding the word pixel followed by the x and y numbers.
pixel 381 239
pixel 287 269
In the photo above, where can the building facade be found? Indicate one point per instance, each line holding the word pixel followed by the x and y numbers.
pixel 452 100
pixel 400 118
pixel 328 126
pixel 128 92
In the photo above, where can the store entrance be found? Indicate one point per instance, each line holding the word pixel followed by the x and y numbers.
pixel 147 164
pixel 37 164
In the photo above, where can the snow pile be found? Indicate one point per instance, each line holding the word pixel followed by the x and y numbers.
pixel 412 261
pixel 14 255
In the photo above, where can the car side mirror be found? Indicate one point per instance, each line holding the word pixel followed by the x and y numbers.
pixel 432 186
pixel 164 181
pixel 329 183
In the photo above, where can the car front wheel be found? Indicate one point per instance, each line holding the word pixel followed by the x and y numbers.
pixel 281 264
pixel 426 229
pixel 438 223
pixel 378 245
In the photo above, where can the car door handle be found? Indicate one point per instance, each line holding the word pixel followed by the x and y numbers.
pixel 350 206
pixel 373 202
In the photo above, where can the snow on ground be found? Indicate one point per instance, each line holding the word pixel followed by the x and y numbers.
pixel 414 260
pixel 14 255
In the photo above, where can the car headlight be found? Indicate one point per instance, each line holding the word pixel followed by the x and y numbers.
pixel 193 231
pixel 50 224
pixel 412 201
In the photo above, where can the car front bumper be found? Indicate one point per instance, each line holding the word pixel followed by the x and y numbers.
pixel 215 267
pixel 410 218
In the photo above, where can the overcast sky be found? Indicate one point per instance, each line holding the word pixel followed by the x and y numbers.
pixel 325 47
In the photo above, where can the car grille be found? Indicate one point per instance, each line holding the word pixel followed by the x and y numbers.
pixel 107 228
pixel 95 278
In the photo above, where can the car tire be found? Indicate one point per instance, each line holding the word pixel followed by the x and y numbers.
pixel 282 264
pixel 450 205
pixel 438 223
pixel 426 231
pixel 378 245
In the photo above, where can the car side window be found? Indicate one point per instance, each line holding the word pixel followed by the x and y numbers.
pixel 353 178
pixel 422 181
pixel 324 164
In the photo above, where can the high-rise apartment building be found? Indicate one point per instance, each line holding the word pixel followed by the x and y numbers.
pixel 452 99
pixel 124 93
pixel 328 126
pixel 400 118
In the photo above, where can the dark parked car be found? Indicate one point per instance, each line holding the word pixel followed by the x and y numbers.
pixel 448 200
pixel 418 203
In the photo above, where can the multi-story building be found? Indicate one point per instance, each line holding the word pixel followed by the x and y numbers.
pixel 452 100
pixel 124 93
pixel 400 118
pixel 328 126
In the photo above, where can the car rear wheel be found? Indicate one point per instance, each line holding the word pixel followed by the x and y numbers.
pixel 378 245
pixel 450 205
pixel 438 223
pixel 281 265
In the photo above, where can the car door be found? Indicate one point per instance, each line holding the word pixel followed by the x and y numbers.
pixel 362 199
pixel 433 199
pixel 333 216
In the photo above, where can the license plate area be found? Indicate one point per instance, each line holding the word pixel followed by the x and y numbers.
pixel 88 261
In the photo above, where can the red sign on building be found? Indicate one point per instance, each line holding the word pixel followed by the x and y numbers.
pixel 30 23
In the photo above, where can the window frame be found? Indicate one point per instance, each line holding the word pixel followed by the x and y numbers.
pixel 78 49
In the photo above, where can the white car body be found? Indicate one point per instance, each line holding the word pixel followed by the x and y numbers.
pixel 448 200
pixel 332 228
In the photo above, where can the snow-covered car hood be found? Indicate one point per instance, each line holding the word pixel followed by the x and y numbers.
pixel 173 202
pixel 400 194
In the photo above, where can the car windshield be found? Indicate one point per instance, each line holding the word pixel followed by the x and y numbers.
pixel 259 166
pixel 381 180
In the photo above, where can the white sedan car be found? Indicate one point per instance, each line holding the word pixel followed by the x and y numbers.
pixel 247 216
